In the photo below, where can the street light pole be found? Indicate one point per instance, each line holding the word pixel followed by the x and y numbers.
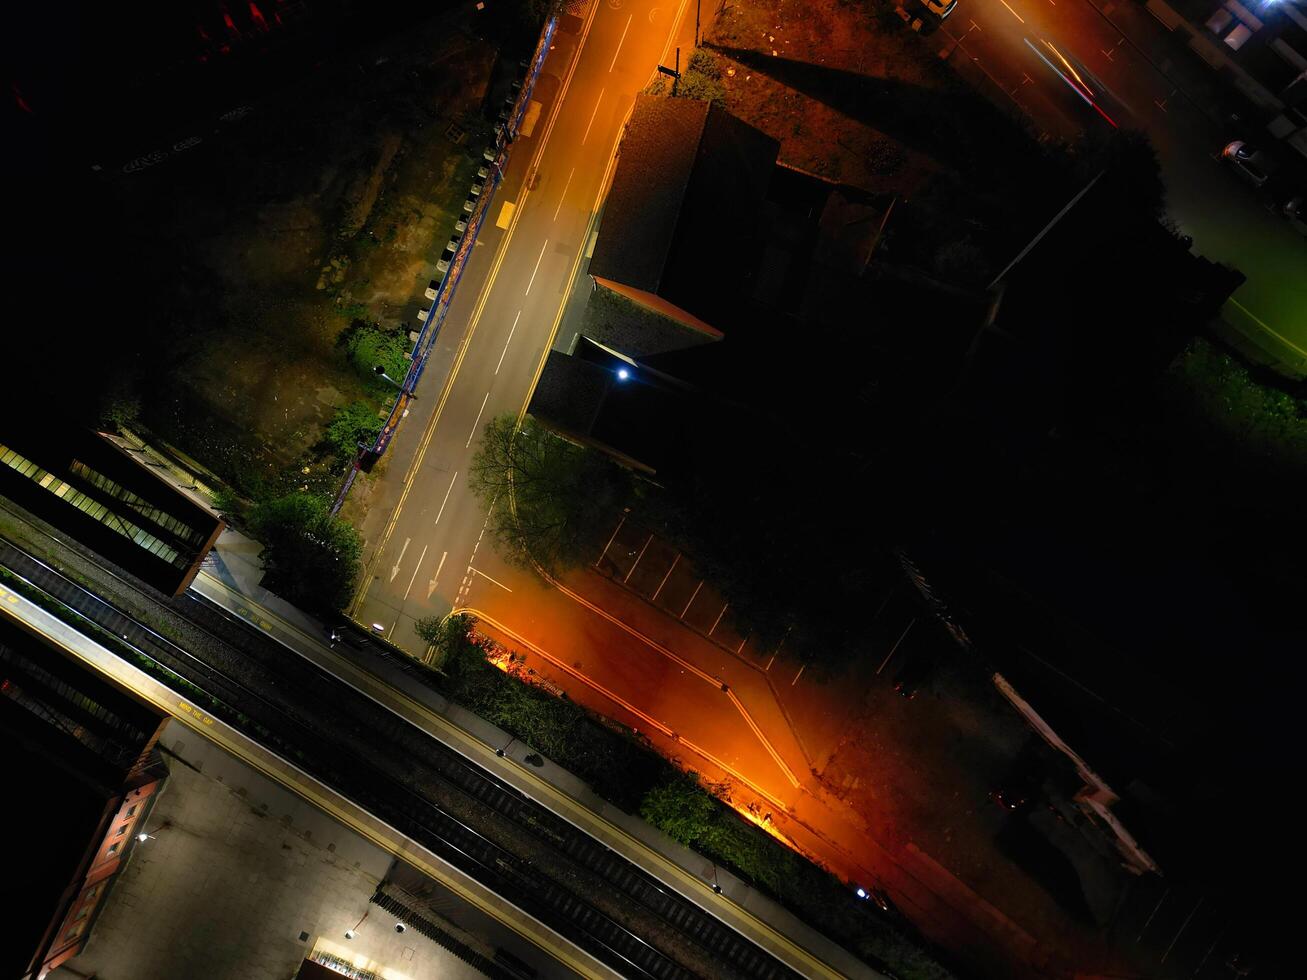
pixel 381 372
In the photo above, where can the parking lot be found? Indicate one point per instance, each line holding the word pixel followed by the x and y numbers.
pixel 660 574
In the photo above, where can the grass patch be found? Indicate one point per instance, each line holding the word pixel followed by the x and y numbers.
pixel 1224 403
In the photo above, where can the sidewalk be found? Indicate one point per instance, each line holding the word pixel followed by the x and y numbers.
pixel 1191 59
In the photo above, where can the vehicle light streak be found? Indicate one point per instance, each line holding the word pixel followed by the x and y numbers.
pixel 1075 86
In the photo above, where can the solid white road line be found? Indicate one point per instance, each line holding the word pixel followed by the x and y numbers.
pixel 473 433
pixel 592 117
pixel 563 196
pixel 507 342
pixel 477 571
pixel 448 490
pixel 415 573
pixel 539 258
pixel 621 41
pixel 1012 12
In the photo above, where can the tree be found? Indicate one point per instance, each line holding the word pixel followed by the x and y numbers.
pixel 543 492
pixel 310 557
pixel 1130 169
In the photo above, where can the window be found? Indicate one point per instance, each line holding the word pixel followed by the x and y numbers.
pixel 86 910
pixel 113 849
pixel 120 831
pixel 131 810
pixel 75 930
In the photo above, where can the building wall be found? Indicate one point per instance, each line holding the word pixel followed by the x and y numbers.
pixel 107 860
pixel 679 329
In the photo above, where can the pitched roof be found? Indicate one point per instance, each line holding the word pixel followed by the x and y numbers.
pixel 654 164
pixel 682 216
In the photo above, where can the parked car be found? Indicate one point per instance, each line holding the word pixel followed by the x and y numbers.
pixel 1295 210
pixel 1248 161
pixel 1022 785
pixel 937 9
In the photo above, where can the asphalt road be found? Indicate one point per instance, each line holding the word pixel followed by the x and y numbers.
pixel 1228 219
pixel 508 308
pixel 433 553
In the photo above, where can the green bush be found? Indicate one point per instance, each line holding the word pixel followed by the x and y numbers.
pixel 702 79
pixel 367 345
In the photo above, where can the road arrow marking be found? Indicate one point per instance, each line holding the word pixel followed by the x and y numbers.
pixel 431 586
pixel 395 570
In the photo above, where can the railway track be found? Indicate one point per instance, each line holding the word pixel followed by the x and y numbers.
pixel 488 829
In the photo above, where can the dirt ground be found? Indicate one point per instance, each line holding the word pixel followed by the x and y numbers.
pixel 326 206
pixel 839 36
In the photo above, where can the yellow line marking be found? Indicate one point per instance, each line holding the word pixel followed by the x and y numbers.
pixel 410 477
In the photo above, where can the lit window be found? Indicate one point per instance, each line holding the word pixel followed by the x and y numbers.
pixel 113 848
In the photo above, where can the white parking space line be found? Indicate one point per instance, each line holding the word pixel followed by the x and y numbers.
pixel 611 540
pixel 447 493
pixel 1012 12
pixel 415 572
pixel 911 623
pixel 691 602
pixel 472 435
pixel 537 268
pixel 883 603
pixel 743 642
pixel 717 621
pixel 592 117
pixel 798 675
pixel 507 342
pixel 665 577
pixel 621 41
pixel 769 663
pixel 638 557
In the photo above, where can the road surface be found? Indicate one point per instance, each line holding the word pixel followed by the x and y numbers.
pixel 1229 220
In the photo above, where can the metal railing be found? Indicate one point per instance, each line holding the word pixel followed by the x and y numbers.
pixel 430 331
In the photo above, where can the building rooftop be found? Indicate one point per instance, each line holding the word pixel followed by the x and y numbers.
pixel 682 217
